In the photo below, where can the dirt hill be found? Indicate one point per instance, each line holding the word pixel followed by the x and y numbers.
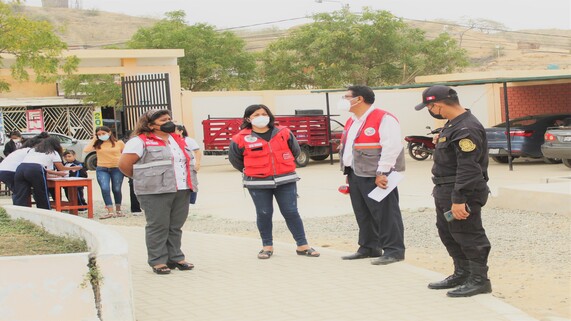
pixel 510 50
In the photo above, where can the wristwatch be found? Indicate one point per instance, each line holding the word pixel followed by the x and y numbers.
pixel 385 173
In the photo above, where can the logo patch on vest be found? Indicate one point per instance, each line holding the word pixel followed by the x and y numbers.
pixel 370 131
pixel 250 139
pixel 256 145
pixel 287 156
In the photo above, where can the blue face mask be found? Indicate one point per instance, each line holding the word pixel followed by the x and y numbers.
pixel 103 137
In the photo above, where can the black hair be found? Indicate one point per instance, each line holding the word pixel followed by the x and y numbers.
pixel 98 142
pixel 15 133
pixel 49 145
pixel 32 142
pixel 363 91
pixel 147 119
pixel 69 152
pixel 183 129
pixel 252 109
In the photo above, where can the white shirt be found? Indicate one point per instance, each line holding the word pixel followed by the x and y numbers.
pixel 390 133
pixel 46 160
pixel 11 162
pixel 193 145
pixel 137 146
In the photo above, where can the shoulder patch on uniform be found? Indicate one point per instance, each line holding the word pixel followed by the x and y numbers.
pixel 466 145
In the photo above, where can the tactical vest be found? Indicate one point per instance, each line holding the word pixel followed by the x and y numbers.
pixel 367 146
pixel 263 158
pixel 153 173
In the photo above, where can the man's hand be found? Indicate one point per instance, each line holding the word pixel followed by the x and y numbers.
pixel 382 181
pixel 459 211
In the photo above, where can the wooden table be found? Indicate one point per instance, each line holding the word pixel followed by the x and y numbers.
pixel 72 183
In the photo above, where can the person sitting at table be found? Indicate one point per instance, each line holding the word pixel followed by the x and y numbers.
pixel 70 161
pixel 33 171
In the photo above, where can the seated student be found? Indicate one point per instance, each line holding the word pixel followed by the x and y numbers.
pixel 69 161
pixel 14 143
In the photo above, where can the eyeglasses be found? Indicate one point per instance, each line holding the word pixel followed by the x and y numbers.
pixel 347 97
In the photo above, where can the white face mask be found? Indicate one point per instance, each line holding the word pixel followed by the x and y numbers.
pixel 260 121
pixel 104 137
pixel 344 104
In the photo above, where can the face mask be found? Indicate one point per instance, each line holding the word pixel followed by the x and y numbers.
pixel 344 104
pixel 103 137
pixel 168 127
pixel 437 116
pixel 261 121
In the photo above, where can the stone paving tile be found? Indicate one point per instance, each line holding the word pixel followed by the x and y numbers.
pixel 230 283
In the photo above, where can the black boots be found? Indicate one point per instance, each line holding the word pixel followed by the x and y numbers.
pixel 477 282
pixel 461 274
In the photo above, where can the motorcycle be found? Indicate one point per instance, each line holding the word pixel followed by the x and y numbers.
pixel 420 147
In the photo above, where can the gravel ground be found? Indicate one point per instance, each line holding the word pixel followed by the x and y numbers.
pixel 529 262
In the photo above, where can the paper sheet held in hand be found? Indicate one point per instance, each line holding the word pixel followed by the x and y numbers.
pixel 378 194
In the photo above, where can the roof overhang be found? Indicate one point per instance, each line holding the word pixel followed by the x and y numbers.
pixel 39 102
pixel 476 79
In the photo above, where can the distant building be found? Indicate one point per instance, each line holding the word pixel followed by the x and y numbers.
pixel 55 3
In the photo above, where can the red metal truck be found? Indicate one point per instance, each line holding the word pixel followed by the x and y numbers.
pixel 312 133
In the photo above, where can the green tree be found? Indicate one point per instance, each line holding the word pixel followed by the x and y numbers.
pixel 342 48
pixel 99 90
pixel 33 44
pixel 212 60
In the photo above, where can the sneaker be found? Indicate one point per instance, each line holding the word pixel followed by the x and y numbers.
pixel 137 213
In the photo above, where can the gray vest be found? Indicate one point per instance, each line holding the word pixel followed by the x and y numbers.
pixel 153 173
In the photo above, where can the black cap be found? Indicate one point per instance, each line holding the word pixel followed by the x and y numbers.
pixel 435 93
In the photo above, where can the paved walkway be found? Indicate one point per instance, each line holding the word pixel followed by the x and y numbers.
pixel 230 283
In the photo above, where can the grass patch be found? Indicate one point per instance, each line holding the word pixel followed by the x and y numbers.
pixel 21 237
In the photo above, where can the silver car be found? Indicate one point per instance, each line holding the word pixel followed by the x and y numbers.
pixel 558 143
pixel 68 143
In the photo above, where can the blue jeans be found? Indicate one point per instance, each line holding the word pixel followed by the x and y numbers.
pixel 286 196
pixel 110 176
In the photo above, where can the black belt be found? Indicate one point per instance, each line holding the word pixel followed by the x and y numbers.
pixel 443 180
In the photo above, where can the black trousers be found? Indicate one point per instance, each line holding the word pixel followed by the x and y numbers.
pixel 463 239
pixel 31 176
pixel 135 205
pixel 380 223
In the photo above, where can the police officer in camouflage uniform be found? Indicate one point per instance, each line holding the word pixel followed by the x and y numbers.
pixel 460 177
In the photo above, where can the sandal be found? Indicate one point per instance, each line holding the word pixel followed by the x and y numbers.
pixel 264 255
pixel 309 252
pixel 109 215
pixel 184 266
pixel 119 214
pixel 161 270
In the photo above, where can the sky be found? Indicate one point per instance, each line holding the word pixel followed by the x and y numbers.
pixel 514 14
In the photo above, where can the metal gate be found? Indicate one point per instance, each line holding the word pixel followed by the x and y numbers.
pixel 142 93
pixel 74 120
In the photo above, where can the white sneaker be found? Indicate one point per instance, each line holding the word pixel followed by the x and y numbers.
pixel 137 213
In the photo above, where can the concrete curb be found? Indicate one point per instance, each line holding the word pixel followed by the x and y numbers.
pixel 58 284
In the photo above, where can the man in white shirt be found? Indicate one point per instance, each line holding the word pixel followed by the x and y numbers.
pixel 371 149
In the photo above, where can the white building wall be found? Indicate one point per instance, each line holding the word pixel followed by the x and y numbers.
pixel 197 106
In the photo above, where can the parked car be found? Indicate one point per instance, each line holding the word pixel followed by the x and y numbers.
pixel 68 143
pixel 558 143
pixel 527 136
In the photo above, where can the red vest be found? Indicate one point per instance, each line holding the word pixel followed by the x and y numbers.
pixel 368 135
pixel 153 140
pixel 262 158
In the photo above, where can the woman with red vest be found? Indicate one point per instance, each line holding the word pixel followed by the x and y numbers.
pixel 158 161
pixel 265 153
